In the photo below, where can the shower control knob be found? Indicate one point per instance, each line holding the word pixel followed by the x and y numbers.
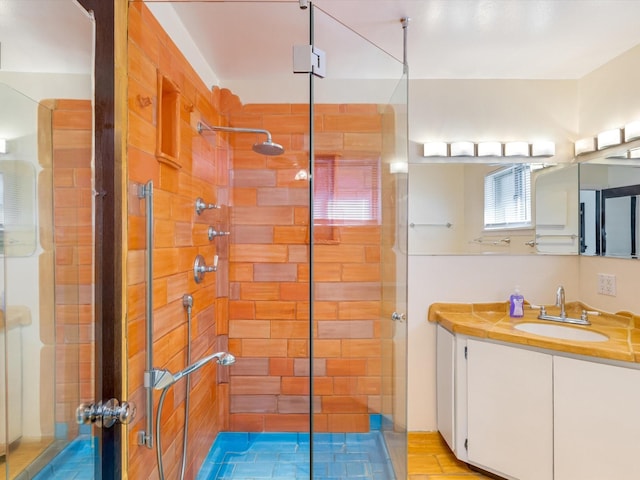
pixel 200 268
pixel 213 233
pixel 201 205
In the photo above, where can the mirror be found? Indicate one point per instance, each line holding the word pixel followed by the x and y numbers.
pixel 446 211
pixel 609 197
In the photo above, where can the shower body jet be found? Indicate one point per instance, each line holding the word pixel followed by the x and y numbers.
pixel 265 148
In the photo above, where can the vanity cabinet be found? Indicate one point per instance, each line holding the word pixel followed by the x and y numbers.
pixel 530 414
pixel 596 420
pixel 510 410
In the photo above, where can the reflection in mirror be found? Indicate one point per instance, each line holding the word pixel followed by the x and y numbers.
pixel 609 192
pixel 557 229
pixel 447 210
pixel 17 208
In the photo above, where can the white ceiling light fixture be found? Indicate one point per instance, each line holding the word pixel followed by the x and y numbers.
pixel 609 138
pixel 398 167
pixel 463 149
pixel 632 131
pixel 584 145
pixel 489 149
pixel 543 149
pixel 435 149
pixel 516 149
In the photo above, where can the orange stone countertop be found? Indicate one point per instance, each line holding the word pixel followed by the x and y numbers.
pixel 491 320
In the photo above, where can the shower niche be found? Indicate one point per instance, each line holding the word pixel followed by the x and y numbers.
pixel 168 122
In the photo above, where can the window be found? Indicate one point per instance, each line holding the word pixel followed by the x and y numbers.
pixel 507 197
pixel 346 191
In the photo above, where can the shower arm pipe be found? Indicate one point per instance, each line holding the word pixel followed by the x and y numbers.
pixel 146 437
pixel 205 126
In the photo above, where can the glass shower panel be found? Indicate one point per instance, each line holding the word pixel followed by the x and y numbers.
pixel 358 257
pixel 261 292
pixel 46 280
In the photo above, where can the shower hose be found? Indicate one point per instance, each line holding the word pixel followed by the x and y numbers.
pixel 187 301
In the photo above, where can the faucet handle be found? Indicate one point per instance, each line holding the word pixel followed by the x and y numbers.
pixel 584 316
pixel 543 310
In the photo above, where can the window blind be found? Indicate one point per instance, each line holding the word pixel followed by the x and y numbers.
pixel 507 197
pixel 346 190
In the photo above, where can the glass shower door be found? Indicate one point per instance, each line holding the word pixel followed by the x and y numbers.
pixel 358 258
pixel 47 246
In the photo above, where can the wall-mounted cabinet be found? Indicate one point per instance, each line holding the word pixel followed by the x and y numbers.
pixel 168 122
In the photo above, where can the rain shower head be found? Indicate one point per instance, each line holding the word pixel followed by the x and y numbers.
pixel 267 147
pixel 164 378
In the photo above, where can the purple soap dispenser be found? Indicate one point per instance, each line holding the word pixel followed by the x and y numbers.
pixel 516 304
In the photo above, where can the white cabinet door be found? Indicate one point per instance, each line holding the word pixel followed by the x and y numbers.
pixel 510 411
pixel 445 379
pixel 597 421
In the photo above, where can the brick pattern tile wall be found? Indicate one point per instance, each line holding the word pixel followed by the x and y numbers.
pixel 269 274
pixel 199 169
pixel 69 122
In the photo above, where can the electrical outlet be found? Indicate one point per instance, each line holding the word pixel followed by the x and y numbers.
pixel 607 284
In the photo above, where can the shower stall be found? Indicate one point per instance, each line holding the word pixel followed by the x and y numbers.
pixel 292 252
pixel 309 290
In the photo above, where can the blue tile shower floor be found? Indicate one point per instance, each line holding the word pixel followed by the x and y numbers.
pixel 285 456
pixel 259 456
pixel 74 462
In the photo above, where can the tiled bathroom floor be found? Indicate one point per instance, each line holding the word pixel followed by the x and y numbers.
pixel 255 456
pixel 75 462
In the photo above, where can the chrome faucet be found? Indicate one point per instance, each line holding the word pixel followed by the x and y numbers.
pixel 560 301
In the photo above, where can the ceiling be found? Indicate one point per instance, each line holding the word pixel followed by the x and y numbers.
pixel 44 36
pixel 447 39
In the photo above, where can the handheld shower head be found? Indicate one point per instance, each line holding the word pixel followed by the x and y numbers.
pixel 267 147
pixel 164 378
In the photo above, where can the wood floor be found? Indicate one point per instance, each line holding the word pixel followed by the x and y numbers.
pixel 431 459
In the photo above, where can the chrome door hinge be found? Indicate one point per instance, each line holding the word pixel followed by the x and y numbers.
pixel 466 444
pixel 466 353
pixel 309 59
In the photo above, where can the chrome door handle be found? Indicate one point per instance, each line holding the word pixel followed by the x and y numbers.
pixel 105 414
pixel 398 317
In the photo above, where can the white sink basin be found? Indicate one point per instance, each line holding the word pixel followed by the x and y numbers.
pixel 563 332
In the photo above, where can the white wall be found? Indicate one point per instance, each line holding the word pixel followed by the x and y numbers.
pixel 42 86
pixel 609 99
pixel 608 96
